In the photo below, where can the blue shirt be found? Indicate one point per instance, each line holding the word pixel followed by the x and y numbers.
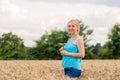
pixel 68 61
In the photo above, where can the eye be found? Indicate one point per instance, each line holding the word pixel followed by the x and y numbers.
pixel 73 26
pixel 69 25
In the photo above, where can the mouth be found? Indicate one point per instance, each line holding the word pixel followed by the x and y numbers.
pixel 71 30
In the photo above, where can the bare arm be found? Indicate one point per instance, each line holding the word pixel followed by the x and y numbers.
pixel 81 50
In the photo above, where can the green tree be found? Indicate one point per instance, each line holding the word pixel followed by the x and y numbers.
pixel 112 46
pixel 96 49
pixel 48 45
pixel 11 46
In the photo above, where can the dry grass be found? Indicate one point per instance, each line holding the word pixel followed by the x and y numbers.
pixel 52 70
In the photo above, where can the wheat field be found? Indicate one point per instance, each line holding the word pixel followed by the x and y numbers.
pixel 52 70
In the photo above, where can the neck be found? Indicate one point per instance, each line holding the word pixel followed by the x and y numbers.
pixel 73 35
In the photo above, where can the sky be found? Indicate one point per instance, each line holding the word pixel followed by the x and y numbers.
pixel 30 19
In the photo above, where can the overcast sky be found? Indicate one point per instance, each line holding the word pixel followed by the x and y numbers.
pixel 29 19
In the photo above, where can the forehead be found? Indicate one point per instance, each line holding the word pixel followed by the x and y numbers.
pixel 72 23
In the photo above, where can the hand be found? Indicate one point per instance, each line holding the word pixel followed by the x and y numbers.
pixel 63 52
pixel 62 48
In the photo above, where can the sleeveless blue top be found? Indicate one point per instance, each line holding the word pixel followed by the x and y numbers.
pixel 68 61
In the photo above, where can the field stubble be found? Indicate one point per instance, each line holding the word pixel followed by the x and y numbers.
pixel 52 70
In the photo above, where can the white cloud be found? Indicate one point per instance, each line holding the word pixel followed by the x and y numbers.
pixel 8 8
pixel 10 12
pixel 30 23
pixel 114 3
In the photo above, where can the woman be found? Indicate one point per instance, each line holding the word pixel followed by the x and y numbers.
pixel 73 51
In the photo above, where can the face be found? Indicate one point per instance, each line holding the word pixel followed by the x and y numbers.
pixel 72 28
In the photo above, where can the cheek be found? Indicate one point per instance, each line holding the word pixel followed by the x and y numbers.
pixel 76 29
pixel 68 29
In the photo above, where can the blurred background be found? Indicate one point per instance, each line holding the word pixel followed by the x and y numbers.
pixel 33 29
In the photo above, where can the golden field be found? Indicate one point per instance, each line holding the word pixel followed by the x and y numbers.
pixel 52 70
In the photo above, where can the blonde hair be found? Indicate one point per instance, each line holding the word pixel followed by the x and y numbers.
pixel 75 22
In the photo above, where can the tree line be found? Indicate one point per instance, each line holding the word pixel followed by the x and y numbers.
pixel 47 46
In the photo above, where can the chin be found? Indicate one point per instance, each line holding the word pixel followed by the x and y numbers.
pixel 71 33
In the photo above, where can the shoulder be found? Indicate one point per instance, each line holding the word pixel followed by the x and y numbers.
pixel 79 40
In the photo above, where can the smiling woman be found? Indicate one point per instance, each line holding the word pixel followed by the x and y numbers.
pixel 73 51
